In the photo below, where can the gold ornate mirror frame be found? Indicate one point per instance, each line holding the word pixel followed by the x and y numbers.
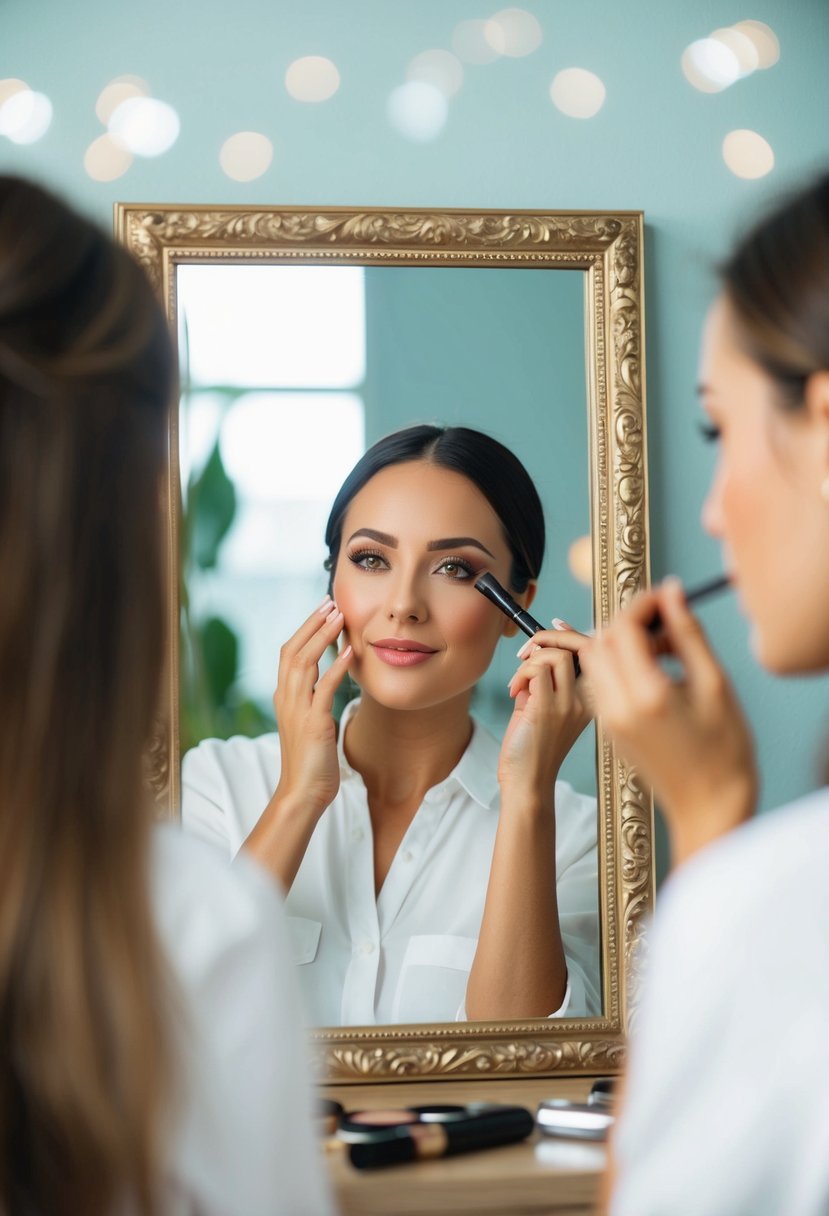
pixel 608 248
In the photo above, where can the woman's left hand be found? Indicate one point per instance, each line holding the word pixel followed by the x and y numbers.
pixel 550 713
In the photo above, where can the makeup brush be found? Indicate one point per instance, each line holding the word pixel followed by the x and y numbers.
pixel 489 586
pixel 695 596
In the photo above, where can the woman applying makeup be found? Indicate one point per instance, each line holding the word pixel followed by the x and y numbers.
pixel 432 874
pixel 727 1095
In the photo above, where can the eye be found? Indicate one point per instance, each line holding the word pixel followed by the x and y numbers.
pixel 368 559
pixel 455 568
pixel 709 432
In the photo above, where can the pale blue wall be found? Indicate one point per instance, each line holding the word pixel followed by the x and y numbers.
pixel 655 145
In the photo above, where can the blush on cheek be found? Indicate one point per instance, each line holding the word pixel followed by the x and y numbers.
pixel 350 604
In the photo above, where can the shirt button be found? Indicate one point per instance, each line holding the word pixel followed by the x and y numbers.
pixel 367 948
pixel 357 835
pixel 408 855
pixel 432 795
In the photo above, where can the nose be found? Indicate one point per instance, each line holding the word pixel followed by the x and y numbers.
pixel 712 513
pixel 406 599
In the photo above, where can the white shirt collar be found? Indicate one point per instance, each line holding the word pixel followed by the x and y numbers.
pixel 476 771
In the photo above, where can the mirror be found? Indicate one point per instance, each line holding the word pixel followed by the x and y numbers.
pixel 293 324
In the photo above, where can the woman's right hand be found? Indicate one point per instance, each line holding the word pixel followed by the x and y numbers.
pixel 687 736
pixel 303 701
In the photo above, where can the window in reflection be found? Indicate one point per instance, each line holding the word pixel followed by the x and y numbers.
pixel 261 382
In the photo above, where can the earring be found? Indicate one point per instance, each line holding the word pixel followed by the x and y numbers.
pixel 824 489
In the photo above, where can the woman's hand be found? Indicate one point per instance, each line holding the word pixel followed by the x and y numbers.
pixel 686 735
pixel 303 701
pixel 550 713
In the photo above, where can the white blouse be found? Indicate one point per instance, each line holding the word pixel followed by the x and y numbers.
pixel 241 1137
pixel 727 1098
pixel 405 955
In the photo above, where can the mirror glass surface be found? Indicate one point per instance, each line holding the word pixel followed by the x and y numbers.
pixel 288 373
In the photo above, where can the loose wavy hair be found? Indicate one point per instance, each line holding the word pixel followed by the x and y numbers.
pixel 86 374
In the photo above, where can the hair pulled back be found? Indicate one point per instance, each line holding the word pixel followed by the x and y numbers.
pixel 493 468
pixel 777 282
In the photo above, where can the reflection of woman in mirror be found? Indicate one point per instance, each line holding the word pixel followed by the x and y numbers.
pixel 732 1041
pixel 432 873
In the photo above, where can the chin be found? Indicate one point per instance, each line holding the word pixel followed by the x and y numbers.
pixel 781 656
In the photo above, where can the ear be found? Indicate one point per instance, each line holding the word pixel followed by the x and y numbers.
pixel 509 628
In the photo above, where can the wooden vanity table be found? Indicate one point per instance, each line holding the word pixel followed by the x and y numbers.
pixel 542 1176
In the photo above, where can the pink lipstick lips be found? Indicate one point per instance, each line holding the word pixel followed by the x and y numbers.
pixel 402 652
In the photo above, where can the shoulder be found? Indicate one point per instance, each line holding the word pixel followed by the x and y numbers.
pixel 236 755
pixel 777 857
pixel 732 923
pixel 205 909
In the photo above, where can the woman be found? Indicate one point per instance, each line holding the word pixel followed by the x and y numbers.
pixel 152 1059
pixel 727 1108
pixel 432 874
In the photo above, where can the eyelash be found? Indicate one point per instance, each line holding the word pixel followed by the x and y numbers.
pixel 359 556
pixel 709 432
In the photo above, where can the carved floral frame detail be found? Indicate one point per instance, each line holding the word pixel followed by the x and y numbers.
pixel 607 246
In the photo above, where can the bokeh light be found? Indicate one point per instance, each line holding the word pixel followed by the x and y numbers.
pixel 741 46
pixel 312 78
pixel 765 41
pixel 441 69
pixel 10 86
pixel 145 126
pixel 747 154
pixel 105 160
pixel 246 155
pixel 470 43
pixel 712 64
pixel 513 32
pixel 709 65
pixel 577 93
pixel 417 110
pixel 25 116
pixel 122 88
pixel 580 560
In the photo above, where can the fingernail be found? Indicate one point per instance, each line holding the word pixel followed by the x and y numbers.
pixel 522 653
pixel 324 606
pixel 346 652
pixel 559 624
pixel 335 612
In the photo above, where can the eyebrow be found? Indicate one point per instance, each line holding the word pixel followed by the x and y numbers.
pixel 445 542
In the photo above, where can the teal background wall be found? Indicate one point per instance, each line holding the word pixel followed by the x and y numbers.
pixel 655 145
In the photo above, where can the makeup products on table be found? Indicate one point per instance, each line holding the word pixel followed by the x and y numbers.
pixel 489 586
pixel 602 1093
pixel 574 1120
pixel 390 1137
pixel 327 1115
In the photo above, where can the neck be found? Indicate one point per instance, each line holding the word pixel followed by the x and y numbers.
pixel 400 754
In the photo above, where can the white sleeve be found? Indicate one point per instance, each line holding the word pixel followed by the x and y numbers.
pixel 202 788
pixel 577 885
pixel 225 786
pixel 246 1141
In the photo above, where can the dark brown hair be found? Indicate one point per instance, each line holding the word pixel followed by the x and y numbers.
pixel 494 469
pixel 777 282
pixel 86 373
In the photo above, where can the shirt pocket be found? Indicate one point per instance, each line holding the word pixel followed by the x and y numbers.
pixel 305 938
pixel 433 977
